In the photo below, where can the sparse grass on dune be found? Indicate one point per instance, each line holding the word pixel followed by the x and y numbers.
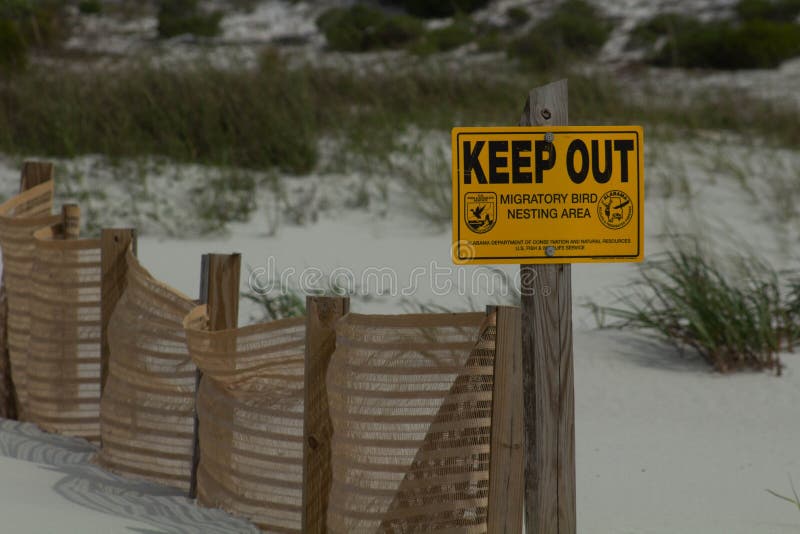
pixel 737 317
pixel 258 119
pixel 275 115
pixel 794 499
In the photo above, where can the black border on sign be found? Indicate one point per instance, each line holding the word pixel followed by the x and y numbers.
pixel 553 259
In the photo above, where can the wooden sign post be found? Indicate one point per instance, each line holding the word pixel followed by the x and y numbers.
pixel 544 195
pixel 549 392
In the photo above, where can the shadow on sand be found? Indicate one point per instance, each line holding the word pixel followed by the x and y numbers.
pixel 655 354
pixel 85 484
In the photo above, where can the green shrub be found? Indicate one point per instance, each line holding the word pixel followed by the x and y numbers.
pixel 574 30
pixel 40 23
pixel 90 7
pixel 664 25
pixel 491 40
pixel 733 321
pixel 439 8
pixel 775 10
pixel 679 41
pixel 179 17
pixel 446 38
pixel 518 16
pixel 13 50
pixel 360 28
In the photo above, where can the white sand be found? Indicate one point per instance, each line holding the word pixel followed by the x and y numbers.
pixel 47 485
pixel 664 446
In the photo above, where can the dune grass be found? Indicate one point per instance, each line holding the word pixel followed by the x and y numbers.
pixel 275 115
pixel 736 317
pixel 276 306
pixel 794 499
pixel 761 35
pixel 255 119
pixel 574 30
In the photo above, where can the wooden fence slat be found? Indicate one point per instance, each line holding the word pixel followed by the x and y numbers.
pixel 506 464
pixel 219 290
pixel 321 316
pixel 35 173
pixel 114 244
pixel 547 363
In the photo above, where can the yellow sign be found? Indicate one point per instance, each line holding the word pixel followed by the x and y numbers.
pixel 558 194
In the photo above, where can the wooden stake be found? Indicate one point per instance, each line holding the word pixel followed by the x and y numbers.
pixel 549 395
pixel 35 173
pixel 321 316
pixel 114 244
pixel 219 290
pixel 71 221
pixel 506 464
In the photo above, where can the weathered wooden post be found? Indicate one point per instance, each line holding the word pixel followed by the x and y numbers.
pixel 33 173
pixel 544 195
pixel 71 221
pixel 114 245
pixel 506 473
pixel 219 290
pixel 549 391
pixel 321 316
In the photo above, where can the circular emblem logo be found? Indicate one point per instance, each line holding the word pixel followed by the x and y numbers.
pixel 615 209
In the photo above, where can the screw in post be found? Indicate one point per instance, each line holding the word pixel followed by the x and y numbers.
pixel 548 137
pixel 550 251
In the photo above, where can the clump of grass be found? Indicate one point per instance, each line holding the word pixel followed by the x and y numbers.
pixel 795 499
pixel 41 23
pixel 361 28
pixel 574 30
pixel 251 119
pixel 426 180
pixel 760 40
pixel 439 8
pixel 27 24
pixel 179 17
pixel 90 7
pixel 224 198
pixel 13 49
pixel 458 33
pixel 278 305
pixel 733 321
pixel 518 16
pixel 279 299
pixel 777 10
